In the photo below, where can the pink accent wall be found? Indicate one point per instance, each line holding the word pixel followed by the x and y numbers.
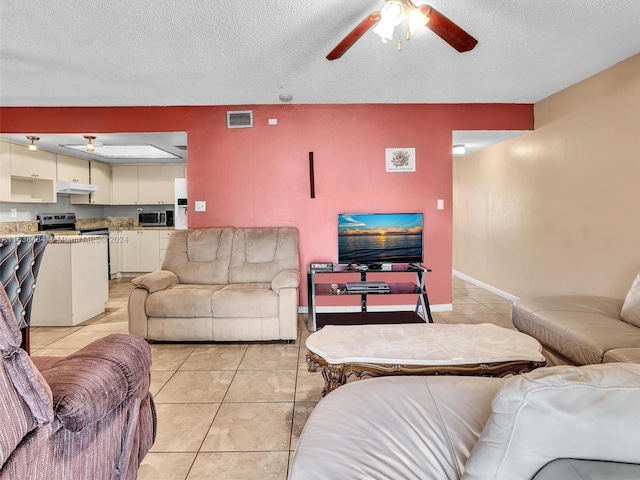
pixel 260 176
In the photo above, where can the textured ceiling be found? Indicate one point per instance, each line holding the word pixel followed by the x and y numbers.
pixel 210 52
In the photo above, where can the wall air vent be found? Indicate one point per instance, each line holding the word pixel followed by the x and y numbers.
pixel 240 119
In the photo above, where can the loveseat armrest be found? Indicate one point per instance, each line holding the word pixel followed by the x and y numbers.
pixel 90 383
pixel 156 281
pixel 286 279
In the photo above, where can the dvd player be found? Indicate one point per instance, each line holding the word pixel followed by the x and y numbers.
pixel 367 287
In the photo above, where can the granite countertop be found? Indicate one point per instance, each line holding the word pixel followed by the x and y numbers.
pixel 30 227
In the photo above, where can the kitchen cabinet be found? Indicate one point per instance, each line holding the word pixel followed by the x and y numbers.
pixel 156 183
pixel 100 176
pixel 115 252
pixel 5 172
pixel 26 176
pixel 37 165
pixel 72 169
pixel 72 282
pixel 124 185
pixel 139 251
pixel 144 184
pixel 165 236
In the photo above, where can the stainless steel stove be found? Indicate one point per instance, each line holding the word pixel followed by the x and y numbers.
pixel 56 221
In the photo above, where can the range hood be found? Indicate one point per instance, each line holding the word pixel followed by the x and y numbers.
pixel 71 188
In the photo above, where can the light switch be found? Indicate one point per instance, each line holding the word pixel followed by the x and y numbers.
pixel 440 204
pixel 14 213
pixel 201 206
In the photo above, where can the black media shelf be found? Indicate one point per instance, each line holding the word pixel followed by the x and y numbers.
pixel 318 288
pixel 362 318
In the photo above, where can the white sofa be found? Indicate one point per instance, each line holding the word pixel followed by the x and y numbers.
pixel 221 284
pixel 554 423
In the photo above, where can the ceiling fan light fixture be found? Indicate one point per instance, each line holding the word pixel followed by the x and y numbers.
pixel 90 147
pixel 416 19
pixel 32 146
pixel 391 15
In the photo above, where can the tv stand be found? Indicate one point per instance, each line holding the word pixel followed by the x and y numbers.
pixel 316 287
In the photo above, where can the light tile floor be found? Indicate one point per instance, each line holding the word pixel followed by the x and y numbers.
pixel 233 411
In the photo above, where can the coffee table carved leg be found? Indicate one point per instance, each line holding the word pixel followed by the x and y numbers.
pixel 334 375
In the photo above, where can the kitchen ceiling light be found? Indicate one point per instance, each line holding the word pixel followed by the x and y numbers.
pixel 126 151
pixel 90 147
pixel 33 147
pixel 459 149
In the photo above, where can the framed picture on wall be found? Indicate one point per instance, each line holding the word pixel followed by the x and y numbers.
pixel 400 159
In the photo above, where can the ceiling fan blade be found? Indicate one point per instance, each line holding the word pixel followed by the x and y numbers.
pixel 447 30
pixel 353 36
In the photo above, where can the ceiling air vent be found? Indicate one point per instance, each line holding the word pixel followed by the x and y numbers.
pixel 240 119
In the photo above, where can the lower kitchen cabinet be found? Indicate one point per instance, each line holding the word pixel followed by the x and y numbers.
pixel 165 235
pixel 139 251
pixel 115 264
pixel 72 283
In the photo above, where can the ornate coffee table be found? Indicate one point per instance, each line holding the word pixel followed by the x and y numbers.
pixel 339 351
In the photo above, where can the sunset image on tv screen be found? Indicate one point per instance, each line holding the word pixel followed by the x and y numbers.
pixel 380 238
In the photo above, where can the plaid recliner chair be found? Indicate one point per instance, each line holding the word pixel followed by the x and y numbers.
pixel 85 416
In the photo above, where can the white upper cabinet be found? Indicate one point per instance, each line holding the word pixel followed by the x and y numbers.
pixel 100 176
pixel 37 165
pixel 26 176
pixel 124 185
pixel 72 169
pixel 145 184
pixel 156 183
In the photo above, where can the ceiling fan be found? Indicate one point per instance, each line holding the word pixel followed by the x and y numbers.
pixel 395 12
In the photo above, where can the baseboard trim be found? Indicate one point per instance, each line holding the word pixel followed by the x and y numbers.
pixel 494 290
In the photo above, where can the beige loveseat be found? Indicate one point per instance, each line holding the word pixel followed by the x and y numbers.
pixel 221 284
pixel 583 329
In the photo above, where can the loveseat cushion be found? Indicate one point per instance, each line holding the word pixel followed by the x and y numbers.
pixel 631 308
pixel 622 355
pixel 259 254
pixel 90 383
pixel 200 256
pixel 580 328
pixel 398 428
pixel 245 300
pixel 182 301
pixel 559 412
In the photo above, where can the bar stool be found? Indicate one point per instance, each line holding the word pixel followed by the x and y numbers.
pixel 20 258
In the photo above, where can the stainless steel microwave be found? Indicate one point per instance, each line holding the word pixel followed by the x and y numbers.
pixel 156 218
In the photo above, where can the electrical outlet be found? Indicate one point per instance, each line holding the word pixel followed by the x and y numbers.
pixel 201 206
pixel 14 213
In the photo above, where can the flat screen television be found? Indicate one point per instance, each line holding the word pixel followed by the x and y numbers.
pixel 374 238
